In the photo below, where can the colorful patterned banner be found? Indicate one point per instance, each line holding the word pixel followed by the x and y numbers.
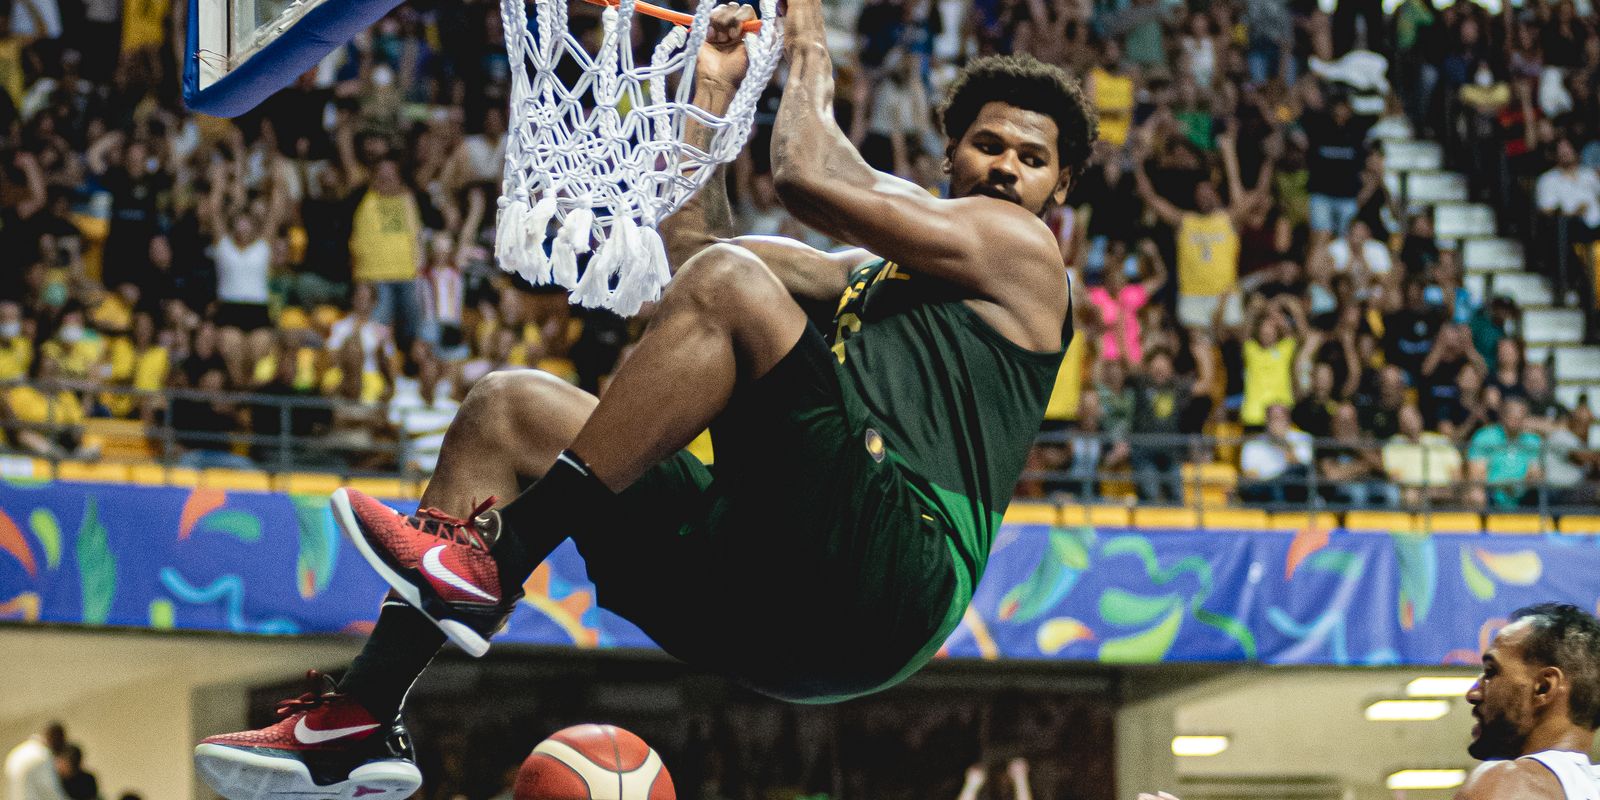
pixel 205 559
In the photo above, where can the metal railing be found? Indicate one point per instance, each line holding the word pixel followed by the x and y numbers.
pixel 381 446
pixel 1199 470
pixel 309 434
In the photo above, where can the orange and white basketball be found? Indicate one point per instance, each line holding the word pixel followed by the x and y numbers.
pixel 593 762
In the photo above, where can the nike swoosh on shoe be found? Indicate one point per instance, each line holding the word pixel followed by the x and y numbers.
pixel 435 567
pixel 307 735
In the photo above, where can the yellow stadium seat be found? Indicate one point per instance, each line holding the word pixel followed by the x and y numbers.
pixel 384 488
pixel 1228 435
pixel 1450 522
pixel 1215 483
pixel 1299 520
pixel 120 438
pixel 93 471
pixel 306 482
pixel 158 475
pixel 1216 473
pixel 1032 514
pixel 1097 516
pixel 1386 521
pixel 239 480
pixel 1577 523
pixel 1186 517
pixel 1240 519
pixel 1515 523
pixel 148 474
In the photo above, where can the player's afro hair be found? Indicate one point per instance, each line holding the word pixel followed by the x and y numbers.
pixel 1030 84
pixel 1567 637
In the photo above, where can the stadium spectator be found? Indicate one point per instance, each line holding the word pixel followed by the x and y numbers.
pixel 1091 450
pixel 203 420
pixel 1119 300
pixel 1208 245
pixel 1117 399
pixel 1313 412
pixel 243 247
pixel 1336 155
pixel 30 766
pixel 371 338
pixel 1114 90
pixel 1469 412
pixel 420 411
pixel 1503 459
pixel 1268 357
pixel 1425 466
pixel 16 342
pixel 1568 195
pixel 386 247
pixel 1275 464
pixel 1161 396
pixel 1506 379
pixel 1357 254
pixel 77 782
pixel 1410 331
pixel 1351 465
pixel 1439 387
pixel 44 417
pixel 1571 462
pixel 1544 411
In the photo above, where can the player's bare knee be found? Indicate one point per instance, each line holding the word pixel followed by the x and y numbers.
pixel 726 280
pixel 511 405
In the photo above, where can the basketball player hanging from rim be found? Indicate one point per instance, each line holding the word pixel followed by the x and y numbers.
pixel 861 471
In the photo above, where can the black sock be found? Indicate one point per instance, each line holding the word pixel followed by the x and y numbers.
pixel 543 516
pixel 399 649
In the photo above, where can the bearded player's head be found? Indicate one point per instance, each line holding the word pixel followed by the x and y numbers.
pixel 1016 129
pixel 1540 682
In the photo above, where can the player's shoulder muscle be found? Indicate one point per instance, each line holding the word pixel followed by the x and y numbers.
pixel 1511 780
pixel 1008 242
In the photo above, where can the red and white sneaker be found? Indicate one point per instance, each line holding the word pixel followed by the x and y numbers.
pixel 437 563
pixel 325 746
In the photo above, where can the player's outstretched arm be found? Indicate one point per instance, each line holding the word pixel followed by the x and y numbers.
pixel 707 218
pixel 998 250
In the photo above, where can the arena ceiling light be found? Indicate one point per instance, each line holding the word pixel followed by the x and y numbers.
pixel 1439 686
pixel 1407 710
pixel 1198 746
pixel 1426 779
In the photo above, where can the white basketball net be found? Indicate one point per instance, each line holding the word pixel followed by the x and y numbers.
pixel 607 176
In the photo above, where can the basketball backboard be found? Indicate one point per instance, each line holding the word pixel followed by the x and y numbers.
pixel 241 51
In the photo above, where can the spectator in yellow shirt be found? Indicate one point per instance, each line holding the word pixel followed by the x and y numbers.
pixel 386 248
pixel 76 349
pixel 16 347
pixel 44 419
pixel 139 363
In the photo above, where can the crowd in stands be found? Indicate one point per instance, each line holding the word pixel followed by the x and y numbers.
pixel 1243 269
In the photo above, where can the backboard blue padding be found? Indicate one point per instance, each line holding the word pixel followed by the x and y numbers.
pixel 279 63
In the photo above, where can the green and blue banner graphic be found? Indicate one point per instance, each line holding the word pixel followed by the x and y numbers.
pixel 275 564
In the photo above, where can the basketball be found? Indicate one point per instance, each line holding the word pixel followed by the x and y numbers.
pixel 593 762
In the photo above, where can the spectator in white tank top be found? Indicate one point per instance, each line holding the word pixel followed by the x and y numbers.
pixel 244 246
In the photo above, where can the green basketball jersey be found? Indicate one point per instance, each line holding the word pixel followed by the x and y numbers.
pixel 948 398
